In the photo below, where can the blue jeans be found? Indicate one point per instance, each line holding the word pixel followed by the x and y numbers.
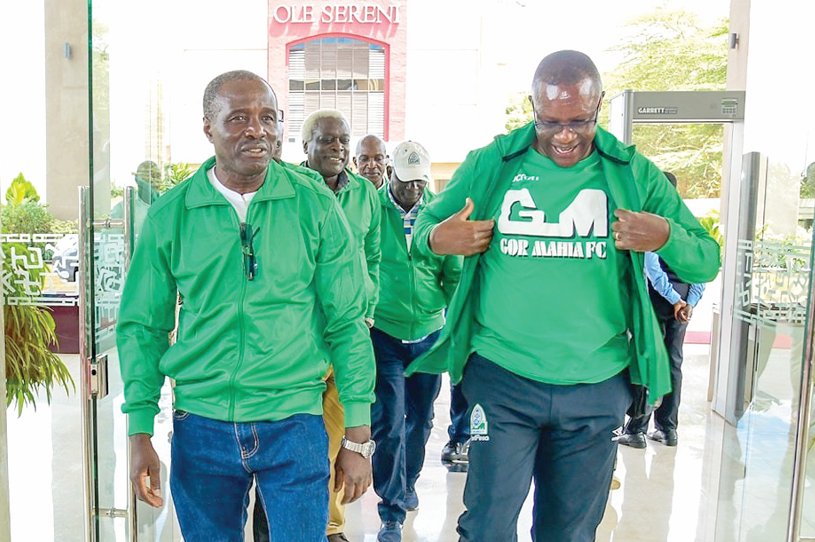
pixel 401 420
pixel 560 436
pixel 459 430
pixel 215 462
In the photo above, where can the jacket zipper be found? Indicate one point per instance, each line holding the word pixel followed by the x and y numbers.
pixel 241 326
pixel 412 297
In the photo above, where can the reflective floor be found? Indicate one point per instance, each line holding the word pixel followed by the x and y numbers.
pixel 696 491
pixel 661 496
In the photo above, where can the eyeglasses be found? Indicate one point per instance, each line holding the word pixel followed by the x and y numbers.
pixel 250 264
pixel 576 126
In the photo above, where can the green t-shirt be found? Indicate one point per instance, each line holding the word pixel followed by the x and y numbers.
pixel 550 306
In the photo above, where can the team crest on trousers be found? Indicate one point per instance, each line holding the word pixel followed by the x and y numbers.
pixel 479 426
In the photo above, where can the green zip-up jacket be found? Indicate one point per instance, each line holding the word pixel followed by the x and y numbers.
pixel 358 199
pixel 415 288
pixel 635 183
pixel 247 350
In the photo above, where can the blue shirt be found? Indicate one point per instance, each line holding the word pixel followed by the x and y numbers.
pixel 659 280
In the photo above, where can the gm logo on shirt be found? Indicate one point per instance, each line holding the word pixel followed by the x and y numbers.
pixel 586 216
pixel 520 177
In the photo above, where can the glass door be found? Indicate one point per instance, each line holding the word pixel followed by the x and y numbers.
pixel 802 520
pixel 126 177
pixel 772 292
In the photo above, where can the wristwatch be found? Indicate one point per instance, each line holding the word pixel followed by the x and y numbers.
pixel 366 449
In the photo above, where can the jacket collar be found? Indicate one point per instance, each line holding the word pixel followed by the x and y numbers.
pixel 351 181
pixel 201 193
pixel 387 201
pixel 518 141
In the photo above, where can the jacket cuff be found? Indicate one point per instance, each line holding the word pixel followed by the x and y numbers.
pixel 357 414
pixel 673 247
pixel 422 242
pixel 140 421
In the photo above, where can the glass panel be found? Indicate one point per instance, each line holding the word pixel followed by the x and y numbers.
pixel 343 65
pixel 772 289
pixel 376 113
pixel 47 106
pixel 328 100
pixel 805 213
pixel 131 154
pixel 359 114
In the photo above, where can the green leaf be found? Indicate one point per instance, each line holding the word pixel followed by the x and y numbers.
pixel 31 366
pixel 21 191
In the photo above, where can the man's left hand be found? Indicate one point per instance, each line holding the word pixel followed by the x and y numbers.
pixel 640 232
pixel 351 469
pixel 685 313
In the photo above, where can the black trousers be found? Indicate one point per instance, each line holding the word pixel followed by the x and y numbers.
pixel 667 415
pixel 559 436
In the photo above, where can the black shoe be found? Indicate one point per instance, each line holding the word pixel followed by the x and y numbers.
pixel 455 456
pixel 632 440
pixel 667 437
pixel 338 537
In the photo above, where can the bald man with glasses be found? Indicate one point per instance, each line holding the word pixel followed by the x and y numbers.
pixel 551 321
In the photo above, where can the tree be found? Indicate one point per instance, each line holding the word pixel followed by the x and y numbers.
pixel 666 50
pixel 670 50
pixel 519 110
pixel 174 173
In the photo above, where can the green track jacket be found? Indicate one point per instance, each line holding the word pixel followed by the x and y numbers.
pixel 360 203
pixel 359 200
pixel 635 183
pixel 246 350
pixel 415 287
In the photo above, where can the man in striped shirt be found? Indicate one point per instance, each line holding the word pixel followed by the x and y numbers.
pixel 414 292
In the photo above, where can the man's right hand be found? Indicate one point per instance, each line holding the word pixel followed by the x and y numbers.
pixel 144 463
pixel 678 310
pixel 459 235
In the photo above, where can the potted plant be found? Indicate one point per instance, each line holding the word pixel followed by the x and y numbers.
pixel 31 366
pixel 29 332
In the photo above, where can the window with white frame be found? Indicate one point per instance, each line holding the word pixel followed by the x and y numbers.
pixel 338 73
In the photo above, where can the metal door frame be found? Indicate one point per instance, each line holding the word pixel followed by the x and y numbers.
pixel 701 107
pixel 92 367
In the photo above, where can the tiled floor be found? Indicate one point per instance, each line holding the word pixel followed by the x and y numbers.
pixel 721 483
pixel 660 497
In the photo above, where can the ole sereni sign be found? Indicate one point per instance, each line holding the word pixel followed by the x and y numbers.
pixel 336 13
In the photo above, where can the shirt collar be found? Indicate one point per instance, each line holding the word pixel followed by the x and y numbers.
pixel 401 210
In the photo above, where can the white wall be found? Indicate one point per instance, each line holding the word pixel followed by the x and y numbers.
pixel 215 37
pixel 22 63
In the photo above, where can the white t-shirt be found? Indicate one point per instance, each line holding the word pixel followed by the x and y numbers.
pixel 239 201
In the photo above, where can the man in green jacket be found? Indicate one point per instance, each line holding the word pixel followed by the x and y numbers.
pixel 326 141
pixel 371 160
pixel 552 316
pixel 264 263
pixel 414 293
